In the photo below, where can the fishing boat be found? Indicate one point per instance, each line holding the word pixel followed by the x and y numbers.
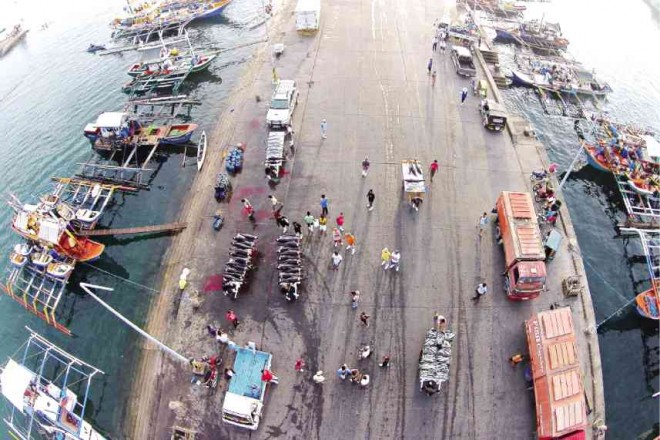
pixel 18 260
pixel 641 176
pixel 163 80
pixel 595 158
pixel 46 229
pixel 59 269
pixel 192 63
pixel 48 390
pixel 201 151
pixel 578 82
pixel 179 134
pixel 23 249
pixel 647 302
pixel 12 39
pixel 93 48
pixel 41 259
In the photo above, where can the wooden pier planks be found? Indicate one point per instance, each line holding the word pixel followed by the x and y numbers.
pixel 152 229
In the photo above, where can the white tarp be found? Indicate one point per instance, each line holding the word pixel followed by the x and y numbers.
pixel 14 380
pixel 652 146
pixel 110 119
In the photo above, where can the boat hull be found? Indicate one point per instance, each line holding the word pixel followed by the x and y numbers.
pixel 647 304
pixel 505 36
pixel 181 138
pixel 79 248
pixel 591 160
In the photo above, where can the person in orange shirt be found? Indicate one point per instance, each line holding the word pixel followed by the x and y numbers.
pixel 350 242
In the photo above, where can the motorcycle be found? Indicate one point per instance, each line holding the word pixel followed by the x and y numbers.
pixel 218 221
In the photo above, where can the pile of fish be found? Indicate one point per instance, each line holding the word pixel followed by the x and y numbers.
pixel 242 255
pixel 289 265
pixel 435 359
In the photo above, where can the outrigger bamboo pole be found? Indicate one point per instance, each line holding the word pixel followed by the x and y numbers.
pixel 88 289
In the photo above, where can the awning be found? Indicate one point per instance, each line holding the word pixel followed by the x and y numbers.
pixel 652 146
pixel 110 119
pixel 14 380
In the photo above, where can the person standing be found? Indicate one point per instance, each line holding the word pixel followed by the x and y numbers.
pixel 231 317
pixel 386 362
pixel 443 43
pixel 268 377
pixel 371 196
pixel 309 221
pixel 483 223
pixel 364 318
pixel 435 43
pixel 429 66
pixel 385 255
pixel 283 222
pixel 297 228
pixel 395 258
pixel 300 365
pixel 323 224
pixel 324 129
pixel 324 205
pixel 343 372
pixel 434 169
pixel 481 290
pixel 365 166
pixel 355 299
pixel 350 242
pixel 336 260
pixel 433 77
pixel 464 95
pixel 273 201
pixel 340 221
pixel 336 237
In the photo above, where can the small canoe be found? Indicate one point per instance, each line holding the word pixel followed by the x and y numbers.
pixel 647 304
pixel 179 134
pixel 87 215
pixel 201 151
pixel 79 248
pixel 41 259
pixel 59 270
pixel 645 187
pixel 23 249
pixel 65 212
pixel 18 260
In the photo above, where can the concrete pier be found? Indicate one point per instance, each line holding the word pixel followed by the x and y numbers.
pixel 365 72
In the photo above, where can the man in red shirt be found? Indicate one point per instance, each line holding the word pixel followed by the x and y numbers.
pixel 268 377
pixel 434 169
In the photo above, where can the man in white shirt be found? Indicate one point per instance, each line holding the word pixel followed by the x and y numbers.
pixel 481 290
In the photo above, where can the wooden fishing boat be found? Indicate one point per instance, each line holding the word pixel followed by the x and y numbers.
pixel 179 134
pixel 41 259
pixel 642 176
pixel 595 158
pixel 647 303
pixel 646 186
pixel 59 270
pixel 17 259
pixel 193 63
pixel 23 249
pixel 201 151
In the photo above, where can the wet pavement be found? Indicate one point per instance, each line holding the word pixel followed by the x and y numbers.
pixel 365 72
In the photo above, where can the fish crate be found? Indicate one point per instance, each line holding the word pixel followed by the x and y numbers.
pixel 572 286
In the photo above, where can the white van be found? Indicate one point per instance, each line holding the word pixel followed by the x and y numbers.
pixel 282 104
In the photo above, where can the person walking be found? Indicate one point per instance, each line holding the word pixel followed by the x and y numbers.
pixel 364 318
pixel 324 129
pixel 483 223
pixel 385 363
pixel 246 204
pixel 300 365
pixel 283 222
pixel 343 372
pixel 336 260
pixel 385 255
pixel 309 221
pixel 365 166
pixel 318 377
pixel 323 224
pixel 435 43
pixel 324 205
pixel 350 242
pixel 336 237
pixel 355 299
pixel 481 290
pixel 429 66
pixel 464 95
pixel 395 258
pixel 273 201
pixel 443 43
pixel 297 228
pixel 340 221
pixel 268 377
pixel 433 76
pixel 231 317
pixel 371 196
pixel 434 169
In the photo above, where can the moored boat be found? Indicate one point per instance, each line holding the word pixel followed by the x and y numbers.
pixel 17 259
pixel 201 151
pixel 179 134
pixel 647 303
pixel 41 259
pixel 59 269
pixel 23 249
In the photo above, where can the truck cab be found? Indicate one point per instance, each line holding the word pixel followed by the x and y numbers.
pixel 282 104
pixel 462 59
pixel 519 234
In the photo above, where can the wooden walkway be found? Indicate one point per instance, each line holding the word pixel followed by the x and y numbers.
pixel 153 229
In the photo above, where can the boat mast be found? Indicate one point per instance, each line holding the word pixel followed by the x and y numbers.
pixel 88 289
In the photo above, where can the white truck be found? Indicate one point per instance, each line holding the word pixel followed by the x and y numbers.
pixel 244 400
pixel 282 104
pixel 308 15
pixel 462 59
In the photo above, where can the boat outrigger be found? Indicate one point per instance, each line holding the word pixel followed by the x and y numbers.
pixel 49 392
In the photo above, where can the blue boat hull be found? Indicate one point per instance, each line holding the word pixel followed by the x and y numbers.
pixel 594 163
pixel 177 140
pixel 518 80
pixel 504 36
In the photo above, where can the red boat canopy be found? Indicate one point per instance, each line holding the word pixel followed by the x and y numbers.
pixel 558 387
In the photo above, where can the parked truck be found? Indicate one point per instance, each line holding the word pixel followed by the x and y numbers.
pixel 519 234
pixel 244 400
pixel 462 59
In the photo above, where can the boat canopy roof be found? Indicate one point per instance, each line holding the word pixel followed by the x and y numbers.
pixel 652 146
pixel 111 119
pixel 14 380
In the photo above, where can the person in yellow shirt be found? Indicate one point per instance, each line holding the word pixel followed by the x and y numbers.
pixel 323 224
pixel 385 255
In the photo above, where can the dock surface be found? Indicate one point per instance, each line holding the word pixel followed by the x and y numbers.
pixel 365 73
